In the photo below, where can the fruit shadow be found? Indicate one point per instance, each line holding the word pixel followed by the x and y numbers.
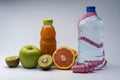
pixel 52 68
pixel 13 67
pixel 40 69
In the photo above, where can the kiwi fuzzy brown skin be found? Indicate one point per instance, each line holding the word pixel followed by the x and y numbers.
pixel 12 61
pixel 45 59
pixel 46 68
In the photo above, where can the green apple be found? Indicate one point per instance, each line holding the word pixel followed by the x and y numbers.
pixel 29 55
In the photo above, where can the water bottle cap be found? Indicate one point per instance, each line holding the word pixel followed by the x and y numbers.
pixel 47 21
pixel 90 8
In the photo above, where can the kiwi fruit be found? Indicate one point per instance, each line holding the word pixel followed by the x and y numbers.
pixel 12 61
pixel 45 62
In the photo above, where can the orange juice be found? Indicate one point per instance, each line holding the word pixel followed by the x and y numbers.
pixel 48 37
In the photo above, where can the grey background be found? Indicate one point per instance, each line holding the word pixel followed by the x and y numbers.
pixel 21 21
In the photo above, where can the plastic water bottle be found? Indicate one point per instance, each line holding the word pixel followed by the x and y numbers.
pixel 90 42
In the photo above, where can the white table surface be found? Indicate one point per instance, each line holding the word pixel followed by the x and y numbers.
pixel 111 72
pixel 20 24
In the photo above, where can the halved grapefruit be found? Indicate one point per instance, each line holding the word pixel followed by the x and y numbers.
pixel 64 58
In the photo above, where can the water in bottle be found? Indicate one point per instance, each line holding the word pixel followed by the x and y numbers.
pixel 91 55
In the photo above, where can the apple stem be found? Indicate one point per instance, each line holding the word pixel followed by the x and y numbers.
pixel 30 48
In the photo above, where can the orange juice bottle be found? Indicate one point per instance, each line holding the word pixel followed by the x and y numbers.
pixel 48 37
